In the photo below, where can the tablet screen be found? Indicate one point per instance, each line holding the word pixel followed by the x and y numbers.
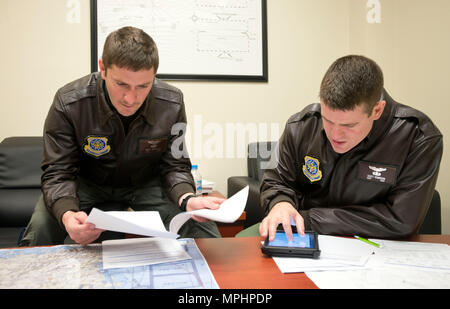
pixel 299 241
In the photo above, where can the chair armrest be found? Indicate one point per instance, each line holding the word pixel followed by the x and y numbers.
pixel 432 223
pixel 254 212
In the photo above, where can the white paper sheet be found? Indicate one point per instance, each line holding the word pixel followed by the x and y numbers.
pixel 141 251
pixel 427 256
pixel 230 210
pixel 336 253
pixel 375 278
pixel 398 264
pixel 149 223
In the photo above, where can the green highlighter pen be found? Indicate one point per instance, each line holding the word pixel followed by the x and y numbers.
pixel 368 242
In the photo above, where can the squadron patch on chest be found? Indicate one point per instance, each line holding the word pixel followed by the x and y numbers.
pixel 97 146
pixel 311 169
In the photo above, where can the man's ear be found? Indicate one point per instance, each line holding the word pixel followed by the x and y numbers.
pixel 102 68
pixel 378 109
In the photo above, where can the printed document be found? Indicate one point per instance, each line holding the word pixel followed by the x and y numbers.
pixel 149 223
pixel 141 251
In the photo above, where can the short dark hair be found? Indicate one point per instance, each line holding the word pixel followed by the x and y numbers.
pixel 350 81
pixel 130 48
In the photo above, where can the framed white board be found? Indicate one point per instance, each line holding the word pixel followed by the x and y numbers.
pixel 196 39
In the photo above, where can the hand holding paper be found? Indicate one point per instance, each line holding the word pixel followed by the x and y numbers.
pixel 228 212
pixel 203 202
pixel 149 223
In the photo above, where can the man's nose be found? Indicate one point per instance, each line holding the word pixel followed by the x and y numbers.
pixel 130 96
pixel 337 132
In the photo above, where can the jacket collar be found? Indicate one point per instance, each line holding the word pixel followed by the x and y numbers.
pixel 104 111
pixel 147 113
pixel 381 125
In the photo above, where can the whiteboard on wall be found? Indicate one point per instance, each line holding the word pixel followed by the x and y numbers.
pixel 196 39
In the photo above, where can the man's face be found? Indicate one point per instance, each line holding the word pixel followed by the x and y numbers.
pixel 127 89
pixel 346 129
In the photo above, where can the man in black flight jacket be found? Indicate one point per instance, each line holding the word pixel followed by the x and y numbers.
pixel 358 163
pixel 108 143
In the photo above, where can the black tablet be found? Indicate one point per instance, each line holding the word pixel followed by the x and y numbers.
pixel 301 246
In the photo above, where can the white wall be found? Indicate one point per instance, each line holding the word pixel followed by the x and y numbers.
pixel 42 50
pixel 300 50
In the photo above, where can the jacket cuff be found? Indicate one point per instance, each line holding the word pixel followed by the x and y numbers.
pixel 63 205
pixel 280 198
pixel 306 219
pixel 179 189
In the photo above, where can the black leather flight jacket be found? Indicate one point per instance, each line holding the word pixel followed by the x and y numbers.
pixel 84 137
pixel 380 188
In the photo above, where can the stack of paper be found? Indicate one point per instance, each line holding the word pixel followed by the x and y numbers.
pixel 141 251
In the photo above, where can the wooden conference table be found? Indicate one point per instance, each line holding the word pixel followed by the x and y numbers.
pixel 237 263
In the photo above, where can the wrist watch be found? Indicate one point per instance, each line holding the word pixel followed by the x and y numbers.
pixel 185 201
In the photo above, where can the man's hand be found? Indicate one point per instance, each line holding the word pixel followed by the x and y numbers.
pixel 202 202
pixel 80 232
pixel 282 213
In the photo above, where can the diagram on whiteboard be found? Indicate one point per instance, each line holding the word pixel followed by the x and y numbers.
pixel 212 37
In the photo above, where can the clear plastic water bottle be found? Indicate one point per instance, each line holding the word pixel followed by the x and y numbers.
pixel 197 180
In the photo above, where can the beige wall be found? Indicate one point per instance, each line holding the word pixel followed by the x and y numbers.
pixel 41 51
pixel 412 46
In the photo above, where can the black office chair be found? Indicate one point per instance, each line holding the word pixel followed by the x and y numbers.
pixel 432 223
pixel 258 158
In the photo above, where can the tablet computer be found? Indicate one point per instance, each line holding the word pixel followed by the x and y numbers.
pixel 301 246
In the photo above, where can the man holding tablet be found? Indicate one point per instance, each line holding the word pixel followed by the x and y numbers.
pixel 358 163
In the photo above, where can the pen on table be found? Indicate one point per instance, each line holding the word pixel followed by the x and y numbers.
pixel 368 241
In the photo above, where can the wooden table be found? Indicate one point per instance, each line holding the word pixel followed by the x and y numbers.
pixel 237 263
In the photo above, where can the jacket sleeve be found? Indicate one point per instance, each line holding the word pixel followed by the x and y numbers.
pixel 60 162
pixel 176 166
pixel 401 212
pixel 278 184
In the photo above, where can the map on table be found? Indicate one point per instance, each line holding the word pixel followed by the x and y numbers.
pixel 80 267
